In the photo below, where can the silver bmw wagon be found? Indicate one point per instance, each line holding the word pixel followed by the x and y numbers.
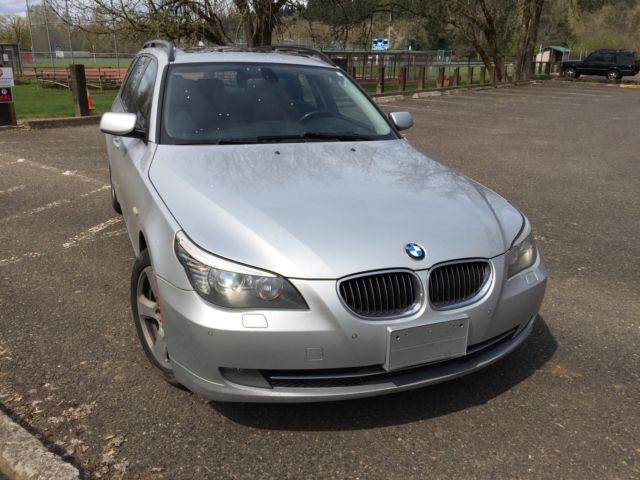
pixel 291 246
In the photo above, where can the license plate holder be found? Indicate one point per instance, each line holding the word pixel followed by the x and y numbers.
pixel 433 342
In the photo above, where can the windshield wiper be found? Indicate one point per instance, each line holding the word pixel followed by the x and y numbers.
pixel 303 137
pixel 342 137
pixel 235 141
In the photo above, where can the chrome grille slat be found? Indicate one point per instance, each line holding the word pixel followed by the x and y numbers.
pixel 455 284
pixel 384 294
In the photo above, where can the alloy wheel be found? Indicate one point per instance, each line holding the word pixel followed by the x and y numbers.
pixel 150 317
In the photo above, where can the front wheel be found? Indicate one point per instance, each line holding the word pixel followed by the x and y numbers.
pixel 147 316
pixel 571 73
pixel 613 75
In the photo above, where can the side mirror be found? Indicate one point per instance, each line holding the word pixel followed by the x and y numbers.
pixel 402 120
pixel 119 124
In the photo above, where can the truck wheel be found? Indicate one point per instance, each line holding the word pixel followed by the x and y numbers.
pixel 571 73
pixel 613 75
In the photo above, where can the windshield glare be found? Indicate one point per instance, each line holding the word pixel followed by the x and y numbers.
pixel 249 103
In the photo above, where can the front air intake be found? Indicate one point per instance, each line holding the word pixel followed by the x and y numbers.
pixel 381 295
pixel 458 284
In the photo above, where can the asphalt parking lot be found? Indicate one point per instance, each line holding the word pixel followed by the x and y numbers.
pixel 565 405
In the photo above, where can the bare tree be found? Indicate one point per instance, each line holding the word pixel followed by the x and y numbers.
pixel 184 20
pixel 14 29
pixel 259 19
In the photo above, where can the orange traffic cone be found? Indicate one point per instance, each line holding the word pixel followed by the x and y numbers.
pixel 89 102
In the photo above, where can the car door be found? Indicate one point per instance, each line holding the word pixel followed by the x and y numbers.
pixel 115 148
pixel 137 150
pixel 590 66
pixel 608 62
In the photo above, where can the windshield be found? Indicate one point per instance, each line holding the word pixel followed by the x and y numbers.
pixel 228 103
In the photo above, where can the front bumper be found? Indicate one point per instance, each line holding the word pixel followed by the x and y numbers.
pixel 210 348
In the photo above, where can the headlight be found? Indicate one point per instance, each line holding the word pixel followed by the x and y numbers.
pixel 232 285
pixel 523 252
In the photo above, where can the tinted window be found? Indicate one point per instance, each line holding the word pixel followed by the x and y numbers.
pixel 626 58
pixel 248 103
pixel 143 94
pixel 135 72
pixel 608 57
pixel 595 57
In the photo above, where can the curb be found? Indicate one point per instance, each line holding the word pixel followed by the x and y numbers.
pixel 436 92
pixel 62 122
pixel 23 457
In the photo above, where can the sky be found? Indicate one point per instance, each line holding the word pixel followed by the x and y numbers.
pixel 17 7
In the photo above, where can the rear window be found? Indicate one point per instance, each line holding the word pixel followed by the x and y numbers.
pixel 249 103
pixel 626 58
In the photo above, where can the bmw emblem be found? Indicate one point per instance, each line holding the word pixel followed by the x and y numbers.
pixel 415 251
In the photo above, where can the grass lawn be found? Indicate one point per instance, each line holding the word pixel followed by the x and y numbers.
pixel 32 100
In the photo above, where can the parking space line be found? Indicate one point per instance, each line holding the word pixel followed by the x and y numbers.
pixel 91 232
pixel 15 259
pixel 20 160
pixel 89 235
pixel 49 205
pixel 35 210
pixel 104 187
pixel 68 173
pixel 12 189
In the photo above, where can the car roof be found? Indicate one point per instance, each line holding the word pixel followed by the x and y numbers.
pixel 231 56
pixel 285 54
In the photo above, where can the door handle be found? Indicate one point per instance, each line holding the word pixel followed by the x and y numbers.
pixel 117 142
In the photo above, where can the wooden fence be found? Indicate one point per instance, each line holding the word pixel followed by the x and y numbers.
pixel 97 77
pixel 378 73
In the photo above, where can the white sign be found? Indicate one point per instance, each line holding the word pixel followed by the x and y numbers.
pixel 6 77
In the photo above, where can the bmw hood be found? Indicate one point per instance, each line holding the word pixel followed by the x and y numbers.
pixel 329 209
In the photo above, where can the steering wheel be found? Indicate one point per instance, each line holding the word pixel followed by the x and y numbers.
pixel 307 117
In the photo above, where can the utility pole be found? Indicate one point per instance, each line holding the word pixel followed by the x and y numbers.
pixel 33 53
pixel 46 24
pixel 66 6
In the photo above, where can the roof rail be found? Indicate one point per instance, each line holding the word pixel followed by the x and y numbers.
pixel 311 52
pixel 162 44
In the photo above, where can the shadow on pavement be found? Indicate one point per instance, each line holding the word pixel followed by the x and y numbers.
pixel 404 407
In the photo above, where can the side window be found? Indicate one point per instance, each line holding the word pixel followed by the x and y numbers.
pixel 625 58
pixel 608 58
pixel 143 95
pixel 128 89
pixel 596 57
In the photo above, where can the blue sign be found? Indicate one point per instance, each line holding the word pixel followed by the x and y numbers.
pixel 380 44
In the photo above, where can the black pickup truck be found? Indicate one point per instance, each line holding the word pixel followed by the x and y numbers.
pixel 613 64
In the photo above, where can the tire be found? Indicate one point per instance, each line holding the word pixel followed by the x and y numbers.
pixel 571 72
pixel 114 200
pixel 147 317
pixel 613 75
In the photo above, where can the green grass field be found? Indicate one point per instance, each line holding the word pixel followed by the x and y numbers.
pixel 32 100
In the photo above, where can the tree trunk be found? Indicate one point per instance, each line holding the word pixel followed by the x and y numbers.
pixel 259 20
pixel 531 12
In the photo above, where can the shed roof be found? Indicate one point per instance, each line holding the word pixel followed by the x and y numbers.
pixel 557 48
